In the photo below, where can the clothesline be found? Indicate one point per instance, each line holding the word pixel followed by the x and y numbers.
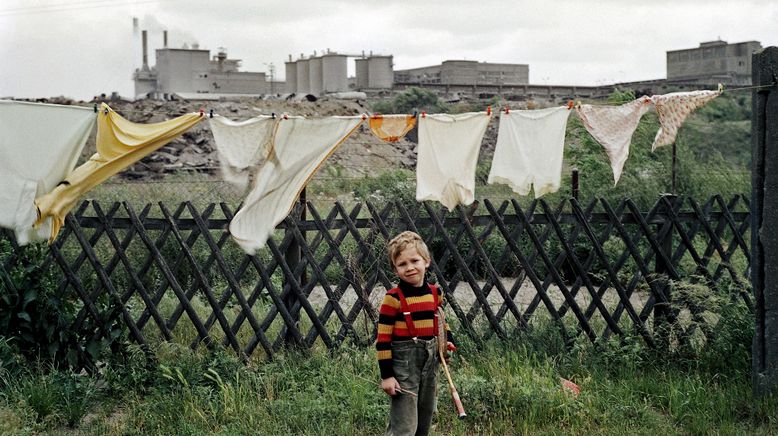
pixel 281 154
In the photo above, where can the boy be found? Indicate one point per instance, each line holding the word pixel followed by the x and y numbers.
pixel 407 335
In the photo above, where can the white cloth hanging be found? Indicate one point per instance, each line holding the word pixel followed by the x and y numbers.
pixel 613 126
pixel 300 146
pixel 39 146
pixel 447 157
pixel 242 146
pixel 529 150
pixel 672 109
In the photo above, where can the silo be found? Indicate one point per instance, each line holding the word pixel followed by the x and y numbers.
pixel 362 73
pixel 303 83
pixel 315 76
pixel 291 76
pixel 380 72
pixel 334 74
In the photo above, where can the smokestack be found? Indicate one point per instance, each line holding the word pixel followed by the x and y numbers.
pixel 290 58
pixel 144 38
pixel 164 38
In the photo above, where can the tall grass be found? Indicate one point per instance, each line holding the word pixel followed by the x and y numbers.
pixel 508 387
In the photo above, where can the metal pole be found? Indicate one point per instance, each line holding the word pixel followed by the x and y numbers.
pixel 674 170
pixel 764 220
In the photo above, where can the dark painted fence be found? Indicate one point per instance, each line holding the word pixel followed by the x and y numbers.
pixel 594 271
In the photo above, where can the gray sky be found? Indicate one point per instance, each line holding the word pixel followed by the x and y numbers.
pixel 80 48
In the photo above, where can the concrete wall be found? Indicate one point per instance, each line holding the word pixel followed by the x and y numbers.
pixel 334 73
pixel 461 72
pixel 362 72
pixel 291 77
pixel 315 76
pixel 180 70
pixel 303 77
pixel 238 83
pixel 380 72
pixel 717 60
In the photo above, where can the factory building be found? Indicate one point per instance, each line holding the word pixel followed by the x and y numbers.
pixel 462 72
pixel 713 62
pixel 328 73
pixel 187 71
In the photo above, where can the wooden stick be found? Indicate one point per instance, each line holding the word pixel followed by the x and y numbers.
pixel 452 388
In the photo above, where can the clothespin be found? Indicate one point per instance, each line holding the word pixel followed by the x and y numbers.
pixel 364 117
pixel 286 117
pixel 489 110
pixel 423 114
pixel 273 115
pixel 569 104
pixel 105 111
pixel 95 107
pixel 721 87
pixel 202 111
pixel 210 113
pixel 415 114
pixel 507 110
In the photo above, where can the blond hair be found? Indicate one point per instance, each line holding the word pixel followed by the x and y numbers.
pixel 405 240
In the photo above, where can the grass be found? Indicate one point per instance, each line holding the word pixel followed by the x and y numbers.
pixel 510 387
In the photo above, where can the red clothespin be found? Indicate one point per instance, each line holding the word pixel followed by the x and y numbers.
pixel 569 104
pixel 507 110
pixel 423 114
pixel 286 117
pixel 202 111
pixel 364 117
pixel 488 110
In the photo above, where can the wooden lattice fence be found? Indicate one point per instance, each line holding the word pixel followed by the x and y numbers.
pixel 593 270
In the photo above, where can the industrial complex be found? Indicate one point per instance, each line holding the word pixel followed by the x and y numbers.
pixel 191 72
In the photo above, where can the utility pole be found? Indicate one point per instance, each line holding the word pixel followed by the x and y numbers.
pixel 271 69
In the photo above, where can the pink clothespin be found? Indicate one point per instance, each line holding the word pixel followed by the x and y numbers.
pixel 423 114
pixel 202 111
pixel 507 110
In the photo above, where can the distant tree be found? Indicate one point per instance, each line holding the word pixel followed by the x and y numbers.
pixel 417 99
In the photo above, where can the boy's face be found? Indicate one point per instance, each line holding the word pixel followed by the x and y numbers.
pixel 410 266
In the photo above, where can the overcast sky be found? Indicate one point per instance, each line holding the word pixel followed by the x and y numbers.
pixel 81 48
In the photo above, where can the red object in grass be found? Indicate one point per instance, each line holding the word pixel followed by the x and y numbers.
pixel 572 387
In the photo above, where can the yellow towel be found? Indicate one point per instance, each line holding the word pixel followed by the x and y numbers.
pixel 391 128
pixel 120 143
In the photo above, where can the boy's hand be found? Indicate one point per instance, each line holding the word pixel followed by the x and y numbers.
pixel 390 386
pixel 450 348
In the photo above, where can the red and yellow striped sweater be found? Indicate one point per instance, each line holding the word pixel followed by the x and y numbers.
pixel 392 325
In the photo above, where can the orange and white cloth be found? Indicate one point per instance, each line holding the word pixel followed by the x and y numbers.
pixel 672 109
pixel 39 146
pixel 448 154
pixel 613 126
pixel 529 150
pixel 300 146
pixel 391 128
pixel 242 146
pixel 120 143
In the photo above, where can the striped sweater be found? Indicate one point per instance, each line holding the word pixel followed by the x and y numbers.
pixel 392 326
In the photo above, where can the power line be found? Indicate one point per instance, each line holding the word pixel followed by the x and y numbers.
pixel 72 6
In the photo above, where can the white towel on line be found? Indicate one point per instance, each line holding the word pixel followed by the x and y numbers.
pixel 242 146
pixel 529 150
pixel 300 146
pixel 447 158
pixel 39 146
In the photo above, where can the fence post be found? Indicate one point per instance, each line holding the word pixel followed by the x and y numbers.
pixel 575 184
pixel 764 219
pixel 662 311
pixel 292 256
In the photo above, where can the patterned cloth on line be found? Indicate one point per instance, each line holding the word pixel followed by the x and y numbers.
pixel 613 126
pixel 672 109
